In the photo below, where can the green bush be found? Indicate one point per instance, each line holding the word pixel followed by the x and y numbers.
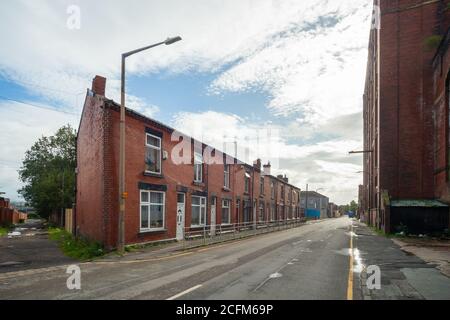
pixel 73 247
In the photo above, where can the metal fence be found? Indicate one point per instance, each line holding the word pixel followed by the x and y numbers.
pixel 210 234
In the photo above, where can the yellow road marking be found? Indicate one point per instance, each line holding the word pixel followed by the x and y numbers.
pixel 350 271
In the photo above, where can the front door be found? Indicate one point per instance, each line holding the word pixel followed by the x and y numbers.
pixel 181 200
pixel 213 215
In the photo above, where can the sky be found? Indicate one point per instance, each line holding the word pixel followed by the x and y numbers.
pixel 283 80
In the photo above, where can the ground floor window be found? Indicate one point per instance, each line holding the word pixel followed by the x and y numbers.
pixel 226 207
pixel 198 211
pixel 272 212
pixel 261 212
pixel 152 210
pixel 247 211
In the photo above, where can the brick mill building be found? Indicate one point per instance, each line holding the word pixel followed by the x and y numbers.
pixel 406 118
pixel 164 195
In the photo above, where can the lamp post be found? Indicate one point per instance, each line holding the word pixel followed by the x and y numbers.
pixel 122 193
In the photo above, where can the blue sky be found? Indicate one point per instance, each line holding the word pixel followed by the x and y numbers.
pixel 294 68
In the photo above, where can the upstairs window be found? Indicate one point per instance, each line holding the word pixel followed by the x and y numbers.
pixel 153 154
pixel 198 167
pixel 247 183
pixel 261 185
pixel 226 176
pixel 272 190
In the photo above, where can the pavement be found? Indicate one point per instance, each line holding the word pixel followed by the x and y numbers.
pixel 404 276
pixel 28 247
pixel 316 261
pixel 433 251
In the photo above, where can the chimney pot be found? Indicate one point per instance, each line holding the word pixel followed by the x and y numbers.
pixel 267 168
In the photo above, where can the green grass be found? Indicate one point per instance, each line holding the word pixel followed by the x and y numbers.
pixel 3 231
pixel 77 248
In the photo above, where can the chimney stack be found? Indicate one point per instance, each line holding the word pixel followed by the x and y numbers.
pixel 286 179
pixel 267 168
pixel 99 85
pixel 257 164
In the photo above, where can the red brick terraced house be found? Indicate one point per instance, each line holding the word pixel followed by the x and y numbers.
pixel 406 118
pixel 165 197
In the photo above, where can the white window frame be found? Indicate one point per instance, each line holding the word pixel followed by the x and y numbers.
pixel 273 212
pixel 224 201
pixel 149 204
pixel 226 176
pixel 261 212
pixel 198 167
pixel 202 218
pixel 155 148
pixel 247 183
pixel 272 190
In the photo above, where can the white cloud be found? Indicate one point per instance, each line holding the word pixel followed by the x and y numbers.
pixel 315 69
pixel 324 164
pixel 20 126
pixel 308 56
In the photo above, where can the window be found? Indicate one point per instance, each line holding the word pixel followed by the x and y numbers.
pixel 261 212
pixel 152 210
pixel 282 192
pixel 153 154
pixel 198 167
pixel 226 176
pixel 261 185
pixel 226 217
pixel 198 211
pixel 272 212
pixel 247 182
pixel 290 195
pixel 272 190
pixel 247 211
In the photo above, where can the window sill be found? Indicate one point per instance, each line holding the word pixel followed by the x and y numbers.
pixel 198 226
pixel 145 232
pixel 154 175
pixel 198 184
pixel 225 189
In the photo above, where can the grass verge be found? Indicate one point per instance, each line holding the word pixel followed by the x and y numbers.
pixel 3 231
pixel 77 248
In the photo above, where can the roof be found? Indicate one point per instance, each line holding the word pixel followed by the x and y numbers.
pixel 418 203
pixel 116 106
pixel 313 194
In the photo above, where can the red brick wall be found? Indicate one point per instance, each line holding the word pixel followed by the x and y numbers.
pixel 441 122
pixel 90 164
pixel 97 179
pixel 406 126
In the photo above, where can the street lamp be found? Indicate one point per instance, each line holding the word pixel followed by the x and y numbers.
pixel 357 152
pixel 122 193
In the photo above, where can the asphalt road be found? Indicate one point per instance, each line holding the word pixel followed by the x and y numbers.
pixel 309 262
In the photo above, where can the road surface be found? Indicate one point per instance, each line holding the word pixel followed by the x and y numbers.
pixel 309 262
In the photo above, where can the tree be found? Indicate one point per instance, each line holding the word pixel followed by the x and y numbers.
pixel 353 206
pixel 48 172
